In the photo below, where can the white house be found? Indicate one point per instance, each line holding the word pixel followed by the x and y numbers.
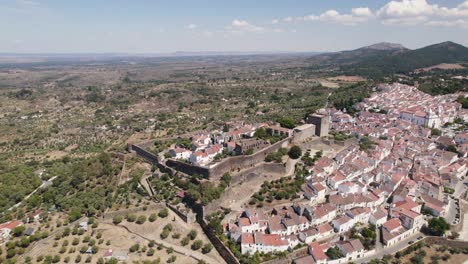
pixel 6 228
pixel 359 214
pixel 180 153
pixel 378 217
pixel 266 243
pixel 351 249
pixel 199 158
pixel 343 223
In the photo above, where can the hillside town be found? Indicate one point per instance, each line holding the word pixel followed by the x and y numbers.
pixel 403 172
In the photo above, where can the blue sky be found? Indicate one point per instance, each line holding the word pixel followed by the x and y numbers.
pixel 157 26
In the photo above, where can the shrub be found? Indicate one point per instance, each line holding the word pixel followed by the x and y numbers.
pixel 168 227
pixel 135 247
pixel 131 218
pixel 141 220
pixel 152 217
pixel 163 213
pixel 164 234
pixel 295 152
pixel 185 241
pixel 197 244
pixel 192 234
pixel 150 252
pixel 117 219
pixel 207 248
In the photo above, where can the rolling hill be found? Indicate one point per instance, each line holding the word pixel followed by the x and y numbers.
pixel 358 55
pixel 405 61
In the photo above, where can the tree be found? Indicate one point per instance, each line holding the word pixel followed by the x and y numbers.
pixel 135 247
pixel 164 234
pixel 197 244
pixel 295 152
pixel 438 226
pixel 287 122
pixel 117 219
pixel 11 253
pixel 141 220
pixel 131 217
pixel 207 248
pixel 163 213
pixel 435 132
pixel 185 241
pixel 261 133
pixel 192 234
pixel 152 217
pixel 333 253
pixel 19 230
pixel 452 148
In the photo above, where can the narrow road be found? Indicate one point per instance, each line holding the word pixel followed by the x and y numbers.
pixel 390 250
pixel 43 185
pixel 464 231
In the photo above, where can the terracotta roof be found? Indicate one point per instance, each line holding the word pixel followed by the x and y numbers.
pixel 317 251
pixel 270 240
pixel 244 221
pixel 392 224
pixel 247 238
pixel 10 225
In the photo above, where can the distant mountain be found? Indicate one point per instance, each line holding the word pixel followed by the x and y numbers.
pixel 384 46
pixel 404 60
pixel 353 56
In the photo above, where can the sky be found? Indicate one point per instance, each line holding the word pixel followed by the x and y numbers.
pixel 160 26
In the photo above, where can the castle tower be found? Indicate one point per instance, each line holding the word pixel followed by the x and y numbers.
pixel 321 122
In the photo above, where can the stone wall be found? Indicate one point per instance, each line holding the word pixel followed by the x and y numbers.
pixel 188 168
pixel 300 136
pixel 140 151
pixel 444 241
pixel 298 253
pixel 231 164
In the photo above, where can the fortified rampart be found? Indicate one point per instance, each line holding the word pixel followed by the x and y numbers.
pixel 231 164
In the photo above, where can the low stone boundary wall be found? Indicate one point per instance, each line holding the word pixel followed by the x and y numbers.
pixel 444 241
pixel 298 253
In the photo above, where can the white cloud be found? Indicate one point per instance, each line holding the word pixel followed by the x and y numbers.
pixel 361 12
pixel 241 26
pixel 191 26
pixel 357 15
pixel 308 18
pixel 412 12
pixel 274 21
pixel 288 19
pixel 25 7
pixel 453 23
pixel 26 2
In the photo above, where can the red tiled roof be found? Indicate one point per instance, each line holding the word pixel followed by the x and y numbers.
pixel 10 225
pixel 247 238
pixel 392 224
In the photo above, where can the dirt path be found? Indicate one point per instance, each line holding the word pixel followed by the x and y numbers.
pixel 43 185
pixel 464 221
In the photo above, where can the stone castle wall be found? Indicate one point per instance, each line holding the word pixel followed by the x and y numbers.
pixel 231 165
